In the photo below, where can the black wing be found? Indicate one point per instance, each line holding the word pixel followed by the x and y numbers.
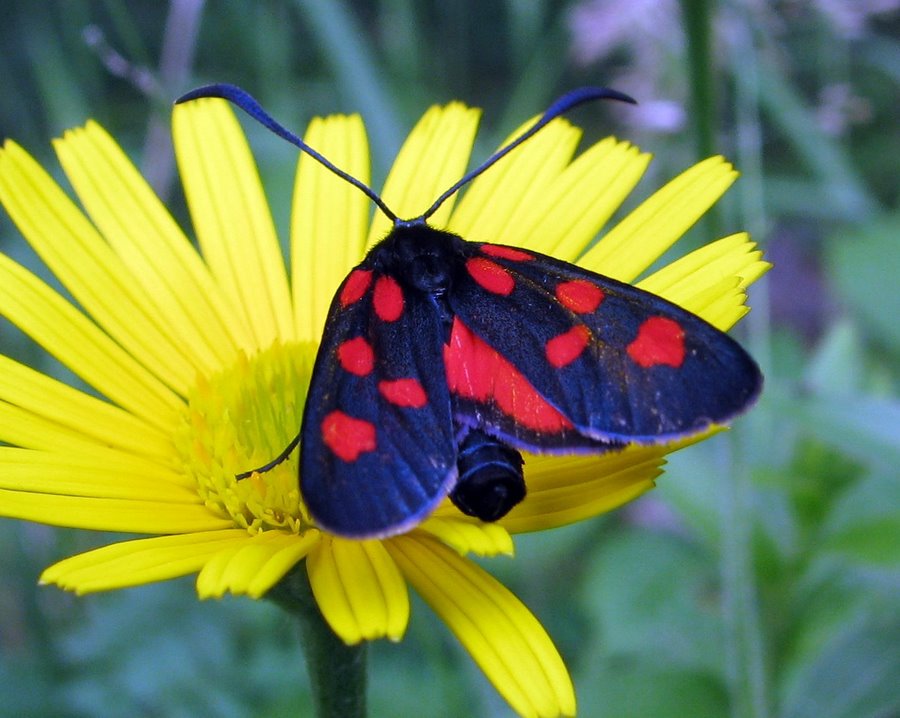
pixel 605 360
pixel 377 452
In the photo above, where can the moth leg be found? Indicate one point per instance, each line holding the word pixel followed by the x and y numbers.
pixel 281 458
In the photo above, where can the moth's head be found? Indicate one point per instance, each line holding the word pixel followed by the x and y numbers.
pixel 420 255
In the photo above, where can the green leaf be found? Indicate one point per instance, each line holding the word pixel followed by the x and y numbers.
pixel 865 522
pixel 853 676
pixel 864 265
pixel 837 366
pixel 873 542
pixel 635 690
pixel 866 428
pixel 655 597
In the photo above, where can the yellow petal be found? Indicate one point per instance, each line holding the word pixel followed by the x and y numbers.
pixel 47 414
pixel 20 427
pixel 537 199
pixel 66 334
pixel 359 589
pixel 468 535
pixel 231 217
pixel 648 231
pixel 499 205
pixel 726 309
pixel 710 281
pixel 289 553
pixel 105 514
pixel 253 565
pixel 133 563
pixel 565 489
pixel 502 636
pixel 188 305
pixel 105 474
pixel 433 157
pixel 328 220
pixel 88 267
pixel 572 211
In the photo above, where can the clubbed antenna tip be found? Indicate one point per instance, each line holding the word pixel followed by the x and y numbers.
pixel 248 104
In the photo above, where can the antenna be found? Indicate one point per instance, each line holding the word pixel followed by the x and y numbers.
pixel 561 106
pixel 248 104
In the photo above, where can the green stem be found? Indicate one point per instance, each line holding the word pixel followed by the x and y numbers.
pixel 697 18
pixel 745 660
pixel 744 622
pixel 337 672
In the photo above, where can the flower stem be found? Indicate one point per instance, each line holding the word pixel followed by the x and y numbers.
pixel 337 672
pixel 697 17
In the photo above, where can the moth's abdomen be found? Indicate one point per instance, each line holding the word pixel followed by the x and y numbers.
pixel 490 477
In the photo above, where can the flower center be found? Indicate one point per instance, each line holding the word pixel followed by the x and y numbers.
pixel 241 419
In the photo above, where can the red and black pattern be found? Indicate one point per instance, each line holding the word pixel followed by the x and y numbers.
pixel 441 358
pixel 619 363
pixel 377 409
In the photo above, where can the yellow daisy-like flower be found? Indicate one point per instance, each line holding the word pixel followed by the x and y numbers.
pixel 202 361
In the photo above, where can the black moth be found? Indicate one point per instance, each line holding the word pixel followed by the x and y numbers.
pixel 441 359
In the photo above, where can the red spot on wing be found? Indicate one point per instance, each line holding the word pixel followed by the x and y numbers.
pixel 388 299
pixel 514 255
pixel 579 295
pixel 403 392
pixel 660 340
pixel 356 356
pixel 490 276
pixel 357 283
pixel 476 371
pixel 565 348
pixel 346 436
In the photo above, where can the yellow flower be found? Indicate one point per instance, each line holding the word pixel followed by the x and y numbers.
pixel 197 364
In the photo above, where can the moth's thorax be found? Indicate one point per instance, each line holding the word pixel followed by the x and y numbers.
pixel 419 256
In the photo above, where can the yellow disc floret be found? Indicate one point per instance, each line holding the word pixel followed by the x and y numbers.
pixel 242 418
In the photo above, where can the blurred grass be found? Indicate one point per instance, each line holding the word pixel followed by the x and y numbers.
pixel 761 578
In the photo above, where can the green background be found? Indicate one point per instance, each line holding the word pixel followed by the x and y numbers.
pixel 761 577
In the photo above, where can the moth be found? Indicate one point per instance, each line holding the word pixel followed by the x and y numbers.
pixel 442 359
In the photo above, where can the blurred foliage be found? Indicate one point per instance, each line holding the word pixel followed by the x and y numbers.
pixel 761 578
